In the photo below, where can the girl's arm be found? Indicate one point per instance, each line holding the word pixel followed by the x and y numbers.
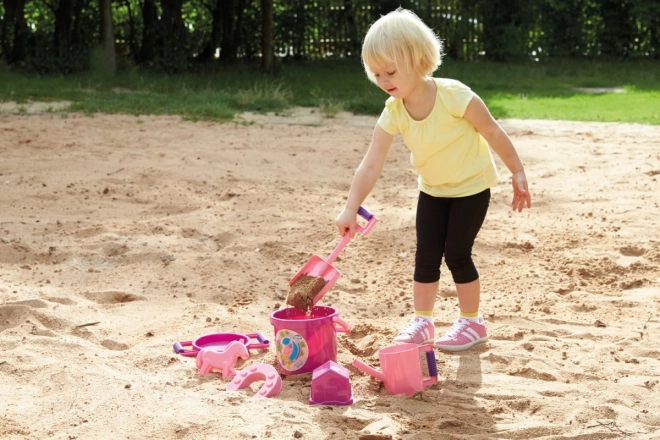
pixel 365 179
pixel 478 115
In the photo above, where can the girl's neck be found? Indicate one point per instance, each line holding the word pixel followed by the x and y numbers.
pixel 420 93
pixel 421 99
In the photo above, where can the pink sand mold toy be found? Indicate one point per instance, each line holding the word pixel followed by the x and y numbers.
pixel 272 380
pixel 330 385
pixel 218 342
pixel 209 359
pixel 402 368
pixel 318 267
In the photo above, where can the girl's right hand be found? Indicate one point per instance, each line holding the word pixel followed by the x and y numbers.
pixel 346 222
pixel 521 197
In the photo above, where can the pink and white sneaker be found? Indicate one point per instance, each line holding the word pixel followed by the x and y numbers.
pixel 464 334
pixel 417 331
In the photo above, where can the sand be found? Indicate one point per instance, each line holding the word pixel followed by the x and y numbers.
pixel 122 235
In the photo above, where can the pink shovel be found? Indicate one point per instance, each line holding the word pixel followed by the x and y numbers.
pixel 318 267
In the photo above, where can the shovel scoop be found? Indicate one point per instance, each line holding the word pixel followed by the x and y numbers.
pixel 317 276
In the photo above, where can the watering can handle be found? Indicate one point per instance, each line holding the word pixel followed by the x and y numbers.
pixel 430 361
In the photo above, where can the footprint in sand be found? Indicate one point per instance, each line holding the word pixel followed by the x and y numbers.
pixel 114 345
pixel 111 297
pixel 30 311
pixel 632 251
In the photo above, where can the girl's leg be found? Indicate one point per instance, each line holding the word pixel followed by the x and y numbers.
pixel 466 217
pixel 468 297
pixel 431 225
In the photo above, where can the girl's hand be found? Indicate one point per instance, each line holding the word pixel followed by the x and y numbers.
pixel 521 195
pixel 346 222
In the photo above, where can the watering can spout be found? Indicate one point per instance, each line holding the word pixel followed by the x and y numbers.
pixel 369 370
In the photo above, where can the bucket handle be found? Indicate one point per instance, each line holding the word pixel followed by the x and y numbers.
pixel 341 325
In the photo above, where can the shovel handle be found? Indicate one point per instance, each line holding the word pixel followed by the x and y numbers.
pixel 364 230
pixel 341 245
pixel 369 217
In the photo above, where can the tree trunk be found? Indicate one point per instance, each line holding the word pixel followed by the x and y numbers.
pixel 267 46
pixel 172 25
pixel 149 31
pixel 108 37
pixel 64 23
pixel 208 53
pixel 232 15
pixel 14 31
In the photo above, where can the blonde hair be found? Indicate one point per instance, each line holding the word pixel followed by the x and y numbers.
pixel 402 38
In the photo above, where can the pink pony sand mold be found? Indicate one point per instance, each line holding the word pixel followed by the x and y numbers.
pixel 272 380
pixel 209 359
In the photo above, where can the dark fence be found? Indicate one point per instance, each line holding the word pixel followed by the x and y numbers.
pixel 172 35
pixel 335 28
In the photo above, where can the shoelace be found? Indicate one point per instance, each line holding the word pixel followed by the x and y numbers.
pixel 413 327
pixel 457 327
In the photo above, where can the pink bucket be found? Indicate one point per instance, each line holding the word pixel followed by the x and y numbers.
pixel 306 341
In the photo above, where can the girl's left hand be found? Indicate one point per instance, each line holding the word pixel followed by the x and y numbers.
pixel 521 195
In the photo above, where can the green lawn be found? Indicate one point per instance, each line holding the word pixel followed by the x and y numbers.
pixel 631 90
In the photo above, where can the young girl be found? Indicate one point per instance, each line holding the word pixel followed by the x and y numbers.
pixel 448 130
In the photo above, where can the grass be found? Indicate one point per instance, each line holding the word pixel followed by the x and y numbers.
pixel 527 91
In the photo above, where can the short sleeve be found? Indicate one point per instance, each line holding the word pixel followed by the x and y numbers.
pixel 386 121
pixel 456 96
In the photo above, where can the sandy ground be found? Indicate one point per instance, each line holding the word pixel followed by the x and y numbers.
pixel 122 235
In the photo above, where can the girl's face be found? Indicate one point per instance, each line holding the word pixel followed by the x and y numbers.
pixel 398 83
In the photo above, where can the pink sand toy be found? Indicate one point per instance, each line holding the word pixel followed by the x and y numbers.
pixel 304 342
pixel 272 381
pixel 218 342
pixel 318 267
pixel 330 385
pixel 209 359
pixel 402 368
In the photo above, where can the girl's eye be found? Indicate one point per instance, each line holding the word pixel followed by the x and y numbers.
pixel 391 73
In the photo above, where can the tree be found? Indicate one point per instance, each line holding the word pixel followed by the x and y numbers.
pixel 108 37
pixel 267 46
pixel 14 32
pixel 213 42
pixel 149 31
pixel 232 17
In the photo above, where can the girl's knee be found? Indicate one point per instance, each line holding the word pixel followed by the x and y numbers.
pixel 462 269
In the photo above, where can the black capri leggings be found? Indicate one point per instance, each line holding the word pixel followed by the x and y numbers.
pixel 448 226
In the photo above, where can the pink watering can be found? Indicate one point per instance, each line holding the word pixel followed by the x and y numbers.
pixel 402 368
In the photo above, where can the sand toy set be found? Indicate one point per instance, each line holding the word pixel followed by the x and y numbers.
pixel 306 342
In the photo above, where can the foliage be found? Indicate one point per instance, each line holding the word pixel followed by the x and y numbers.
pixel 175 36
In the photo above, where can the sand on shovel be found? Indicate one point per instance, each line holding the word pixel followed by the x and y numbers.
pixel 303 290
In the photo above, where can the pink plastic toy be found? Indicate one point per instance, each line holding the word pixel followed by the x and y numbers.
pixel 272 380
pixel 402 368
pixel 306 341
pixel 218 341
pixel 208 359
pixel 318 267
pixel 330 385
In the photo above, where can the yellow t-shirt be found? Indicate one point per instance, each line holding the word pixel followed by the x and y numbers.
pixel 450 156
